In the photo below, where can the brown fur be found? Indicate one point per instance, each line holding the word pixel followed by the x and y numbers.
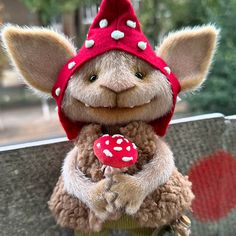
pixel 38 54
pixel 189 54
pixel 163 205
pixel 81 169
pixel 151 191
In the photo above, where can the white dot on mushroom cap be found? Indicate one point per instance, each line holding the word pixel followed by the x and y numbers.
pixel 117 34
pixel 134 146
pixel 127 141
pixel 98 145
pixel 71 65
pixel 107 153
pixel 58 91
pixel 105 135
pixel 119 141
pixel 131 24
pixel 103 23
pixel 127 159
pixel 118 149
pixel 107 142
pixel 128 148
pixel 117 135
pixel 142 45
pixel 168 70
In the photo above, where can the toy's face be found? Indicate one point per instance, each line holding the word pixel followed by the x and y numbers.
pixel 117 88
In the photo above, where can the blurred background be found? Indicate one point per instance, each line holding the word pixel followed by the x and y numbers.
pixel 26 117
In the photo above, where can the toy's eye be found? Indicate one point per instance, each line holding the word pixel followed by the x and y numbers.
pixel 92 78
pixel 139 75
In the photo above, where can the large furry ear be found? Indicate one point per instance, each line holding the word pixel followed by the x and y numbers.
pixel 37 53
pixel 189 54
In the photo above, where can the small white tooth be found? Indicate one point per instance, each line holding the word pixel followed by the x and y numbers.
pixel 148 101
pixel 87 105
pixel 132 107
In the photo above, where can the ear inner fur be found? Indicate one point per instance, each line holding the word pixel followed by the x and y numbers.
pixel 189 54
pixel 38 54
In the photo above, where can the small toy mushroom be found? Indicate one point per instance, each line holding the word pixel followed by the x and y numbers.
pixel 115 153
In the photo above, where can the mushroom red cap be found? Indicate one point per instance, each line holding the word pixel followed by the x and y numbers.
pixel 115 151
pixel 116 27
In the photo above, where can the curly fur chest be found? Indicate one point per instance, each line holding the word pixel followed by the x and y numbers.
pixel 88 163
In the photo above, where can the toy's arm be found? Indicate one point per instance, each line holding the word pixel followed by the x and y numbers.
pixel 132 190
pixel 76 183
pixel 158 170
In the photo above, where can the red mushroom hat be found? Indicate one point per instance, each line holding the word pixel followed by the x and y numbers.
pixel 116 27
pixel 115 151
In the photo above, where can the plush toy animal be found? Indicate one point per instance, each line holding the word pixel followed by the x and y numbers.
pixel 116 84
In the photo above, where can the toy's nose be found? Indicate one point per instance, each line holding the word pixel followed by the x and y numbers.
pixel 118 85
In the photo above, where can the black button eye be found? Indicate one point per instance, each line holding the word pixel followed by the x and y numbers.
pixel 139 75
pixel 93 78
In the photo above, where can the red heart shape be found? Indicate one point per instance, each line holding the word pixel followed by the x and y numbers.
pixel 115 151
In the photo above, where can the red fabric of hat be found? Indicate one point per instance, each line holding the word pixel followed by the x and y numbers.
pixel 116 27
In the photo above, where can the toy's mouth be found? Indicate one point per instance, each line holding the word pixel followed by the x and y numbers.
pixel 117 107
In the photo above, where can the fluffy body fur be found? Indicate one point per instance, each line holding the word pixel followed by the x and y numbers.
pixel 152 191
pixel 79 179
pixel 150 206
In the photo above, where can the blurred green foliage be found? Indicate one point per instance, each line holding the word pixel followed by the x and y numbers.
pixel 219 92
pixel 47 9
pixel 161 16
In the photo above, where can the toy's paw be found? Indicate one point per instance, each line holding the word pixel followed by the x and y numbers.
pixel 130 194
pixel 97 202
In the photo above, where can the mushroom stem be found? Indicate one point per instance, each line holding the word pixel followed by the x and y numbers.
pixel 108 172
